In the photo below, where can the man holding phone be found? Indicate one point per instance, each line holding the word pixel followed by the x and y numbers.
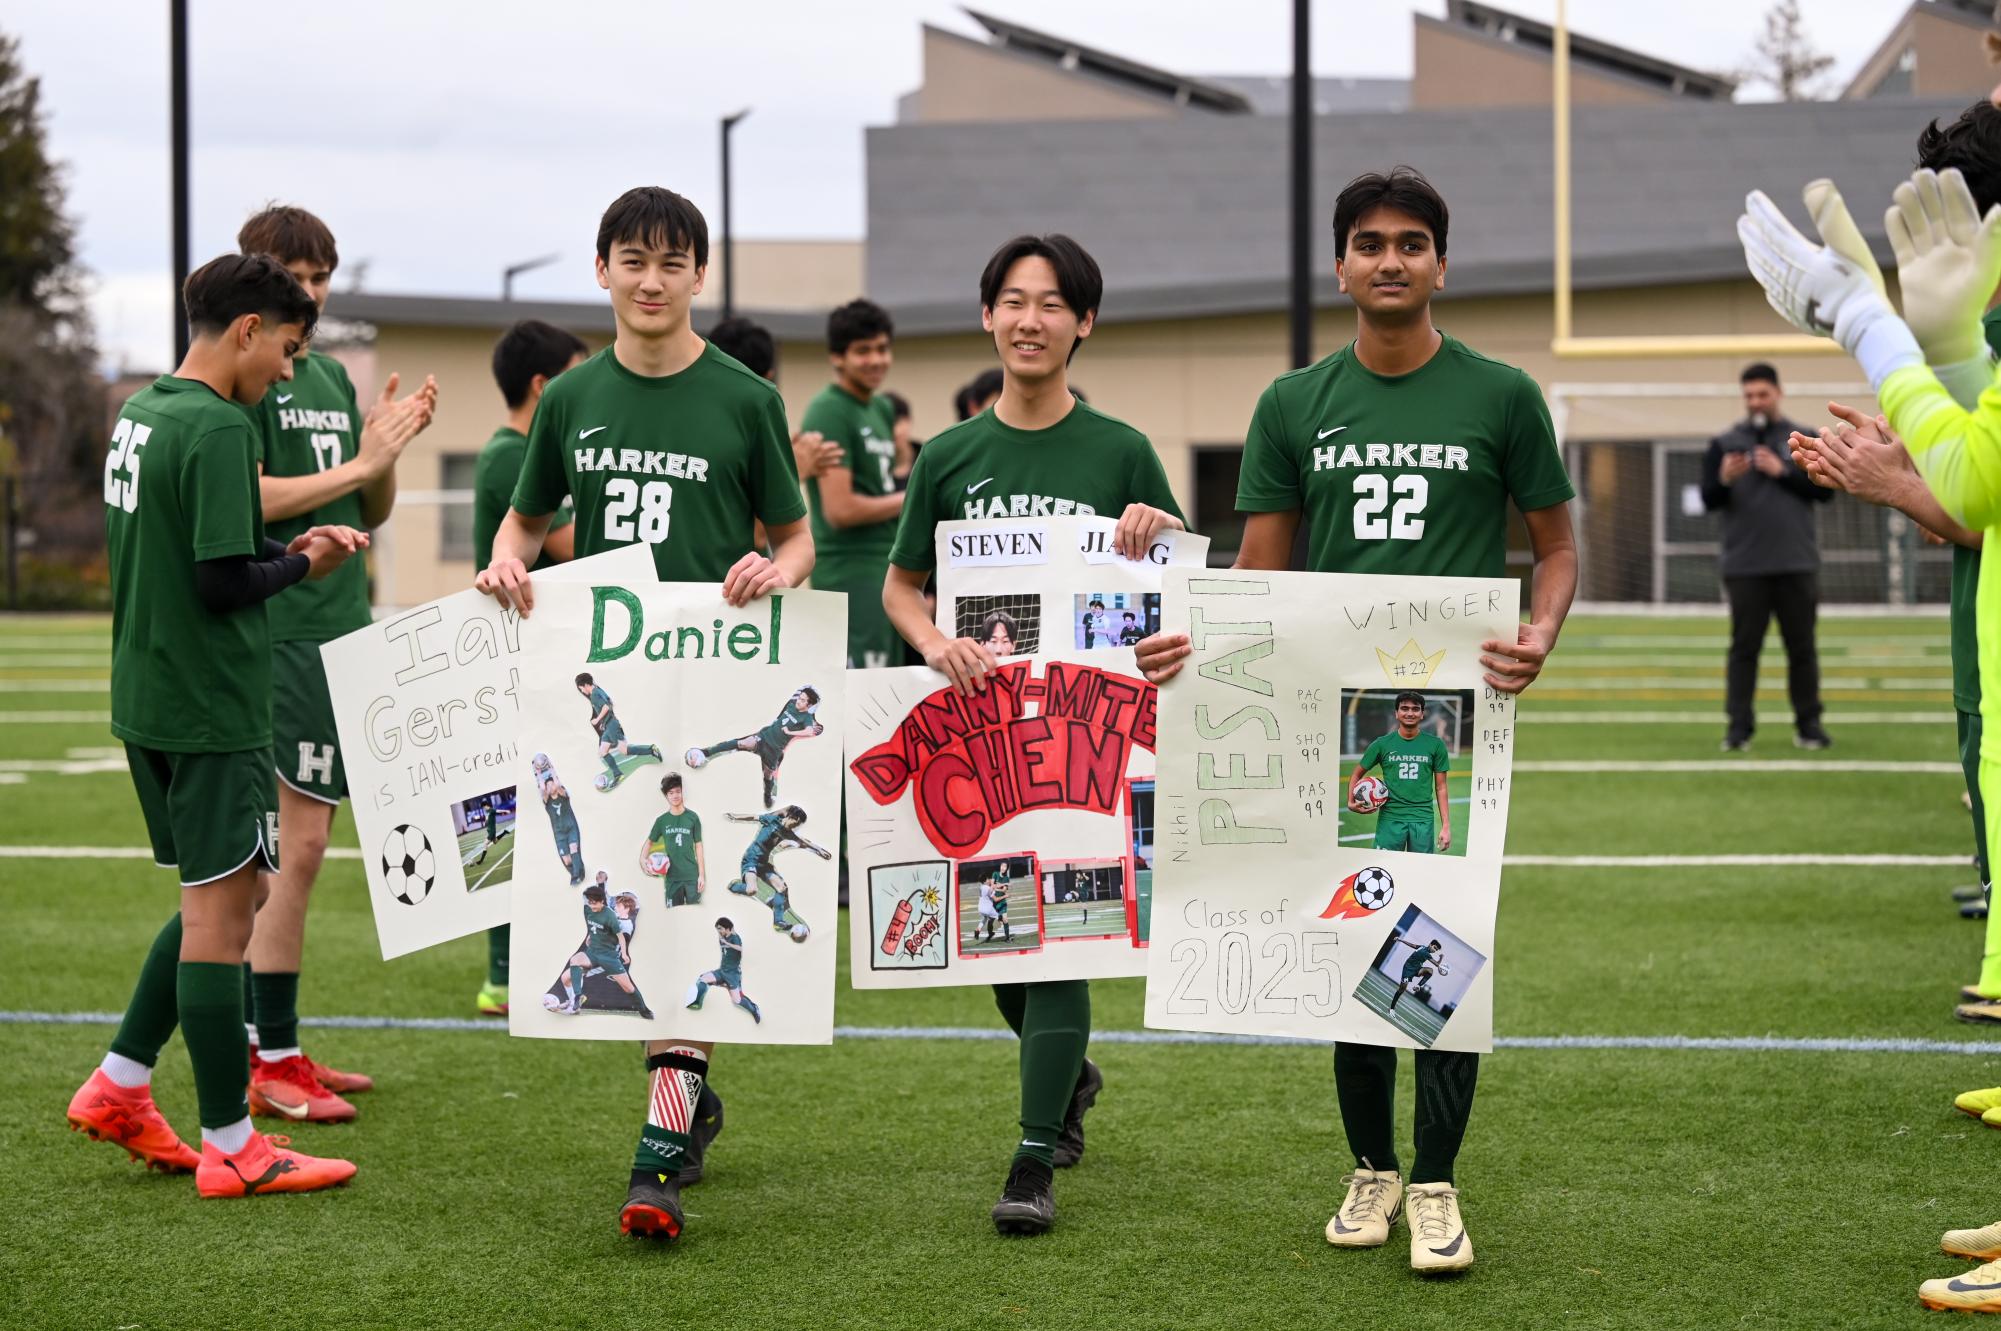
pixel 1770 560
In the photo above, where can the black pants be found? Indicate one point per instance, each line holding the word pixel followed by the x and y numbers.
pixel 1793 597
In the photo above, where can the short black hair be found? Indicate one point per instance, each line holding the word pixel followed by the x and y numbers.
pixel 1759 371
pixel 1000 619
pixel 808 688
pixel 1403 188
pixel 1077 273
pixel 230 286
pixel 723 922
pixel 583 679
pixel 656 218
pixel 793 814
pixel 749 344
pixel 288 234
pixel 1973 144
pixel 984 385
pixel 1410 696
pixel 594 892
pixel 672 781
pixel 857 321
pixel 899 406
pixel 530 348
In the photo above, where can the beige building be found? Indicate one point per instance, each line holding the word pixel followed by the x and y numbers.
pixel 1176 184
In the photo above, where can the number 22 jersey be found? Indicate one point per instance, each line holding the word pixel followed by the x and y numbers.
pixel 1408 474
pixel 682 462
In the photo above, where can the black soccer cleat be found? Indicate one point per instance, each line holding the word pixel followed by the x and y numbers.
pixel 770 790
pixel 708 1125
pixel 1028 1201
pixel 652 1207
pixel 1070 1142
pixel 645 1012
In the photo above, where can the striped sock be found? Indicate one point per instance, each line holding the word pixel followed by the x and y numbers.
pixel 676 1078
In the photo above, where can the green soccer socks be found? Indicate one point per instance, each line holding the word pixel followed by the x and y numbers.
pixel 210 999
pixel 1053 1019
pixel 154 1011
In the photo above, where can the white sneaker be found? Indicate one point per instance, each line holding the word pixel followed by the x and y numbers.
pixel 1438 1241
pixel 1978 1291
pixel 1375 1196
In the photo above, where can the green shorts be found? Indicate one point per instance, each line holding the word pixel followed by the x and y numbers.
pixel 681 892
pixel 613 733
pixel 611 963
pixel 305 743
pixel 1417 835
pixel 1969 763
pixel 873 641
pixel 207 814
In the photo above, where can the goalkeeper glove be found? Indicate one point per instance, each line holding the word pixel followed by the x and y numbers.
pixel 1948 264
pixel 1821 292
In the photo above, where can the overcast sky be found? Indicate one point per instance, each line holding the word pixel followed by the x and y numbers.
pixel 443 142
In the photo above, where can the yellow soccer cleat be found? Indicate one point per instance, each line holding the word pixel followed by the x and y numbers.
pixel 1977 1103
pixel 1992 1118
pixel 1375 1196
pixel 1980 1245
pixel 1987 1012
pixel 1978 1291
pixel 1438 1242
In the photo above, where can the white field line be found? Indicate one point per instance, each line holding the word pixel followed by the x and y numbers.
pixel 54 718
pixel 1731 1044
pixel 37 661
pixel 1681 684
pixel 55 686
pixel 1512 861
pixel 1534 717
pixel 1597 660
pixel 1710 766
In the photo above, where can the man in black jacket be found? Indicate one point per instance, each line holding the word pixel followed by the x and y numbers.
pixel 1771 557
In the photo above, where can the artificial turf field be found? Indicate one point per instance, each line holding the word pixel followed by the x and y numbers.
pixel 1764 1182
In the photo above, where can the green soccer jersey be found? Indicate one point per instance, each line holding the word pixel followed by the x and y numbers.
pixel 1408 767
pixel 603 930
pixel 868 451
pixel 600 700
pixel 1417 962
pixel 682 463
pixel 730 969
pixel 678 834
pixel 793 717
pixel 310 425
pixel 1087 462
pixel 1407 475
pixel 493 479
pixel 180 486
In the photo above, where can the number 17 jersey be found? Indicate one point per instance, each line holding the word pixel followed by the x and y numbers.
pixel 682 462
pixel 1406 474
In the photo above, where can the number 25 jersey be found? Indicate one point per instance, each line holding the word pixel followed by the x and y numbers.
pixel 1408 474
pixel 682 462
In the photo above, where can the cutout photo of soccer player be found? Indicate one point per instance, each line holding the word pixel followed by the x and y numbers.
pixel 756 876
pixel 1037 449
pixel 1425 961
pixel 1413 765
pixel 612 744
pixel 562 817
pixel 192 568
pixel 794 721
pixel 728 974
pixel 673 849
pixel 1472 441
pixel 320 461
pixel 608 928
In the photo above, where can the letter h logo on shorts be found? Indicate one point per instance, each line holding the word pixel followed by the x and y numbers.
pixel 311 762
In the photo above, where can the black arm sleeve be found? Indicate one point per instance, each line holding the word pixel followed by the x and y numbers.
pixel 1715 494
pixel 239 581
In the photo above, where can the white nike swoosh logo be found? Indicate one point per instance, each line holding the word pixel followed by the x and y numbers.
pixel 283 398
pixel 287 1110
pixel 585 434
pixel 975 489
pixel 1336 430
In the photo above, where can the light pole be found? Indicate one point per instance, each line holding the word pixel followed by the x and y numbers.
pixel 177 142
pixel 508 274
pixel 1301 219
pixel 729 248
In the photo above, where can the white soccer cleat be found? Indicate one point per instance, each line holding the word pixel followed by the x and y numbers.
pixel 1978 1291
pixel 1980 1245
pixel 1438 1242
pixel 1375 1197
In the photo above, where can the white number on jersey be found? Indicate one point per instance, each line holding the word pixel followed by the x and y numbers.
pixel 1407 771
pixel 326 451
pixel 652 501
pixel 1372 496
pixel 126 441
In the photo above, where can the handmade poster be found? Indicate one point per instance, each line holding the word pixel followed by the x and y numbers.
pixel 1332 808
pixel 427 704
pixel 680 762
pixel 1007 837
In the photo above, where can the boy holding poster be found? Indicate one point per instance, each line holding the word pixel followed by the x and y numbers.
pixel 661 440
pixel 191 571
pixel 1472 436
pixel 1039 451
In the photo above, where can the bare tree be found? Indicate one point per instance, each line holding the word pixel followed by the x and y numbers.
pixel 1784 57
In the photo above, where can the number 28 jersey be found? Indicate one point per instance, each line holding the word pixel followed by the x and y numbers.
pixel 682 462
pixel 1409 474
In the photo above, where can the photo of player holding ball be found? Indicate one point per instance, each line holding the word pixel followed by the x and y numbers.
pixel 1414 767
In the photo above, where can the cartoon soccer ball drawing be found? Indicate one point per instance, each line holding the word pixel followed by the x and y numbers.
pixel 695 758
pixel 1374 887
pixel 408 866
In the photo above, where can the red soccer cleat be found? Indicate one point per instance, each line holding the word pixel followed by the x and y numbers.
pixel 109 1112
pixel 347 1083
pixel 288 1089
pixel 264 1165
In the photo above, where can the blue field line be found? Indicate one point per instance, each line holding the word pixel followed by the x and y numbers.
pixel 1726 1044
